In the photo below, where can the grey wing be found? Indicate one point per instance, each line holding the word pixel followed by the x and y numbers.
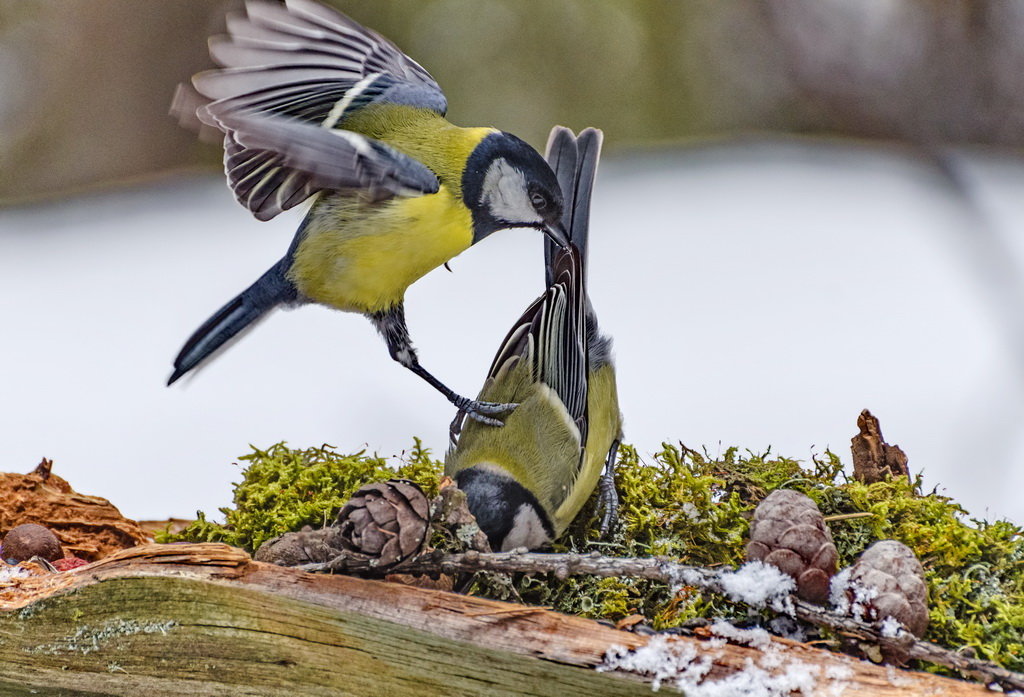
pixel 550 334
pixel 290 67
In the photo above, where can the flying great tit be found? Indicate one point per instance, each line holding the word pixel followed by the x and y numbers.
pixel 313 104
pixel 527 481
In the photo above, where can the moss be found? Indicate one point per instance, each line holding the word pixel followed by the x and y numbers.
pixel 695 507
pixel 691 506
pixel 283 489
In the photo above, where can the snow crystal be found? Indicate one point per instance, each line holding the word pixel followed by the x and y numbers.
pixel 839 678
pixel 840 590
pixel 891 627
pixel 9 573
pixel 679 576
pixel 837 591
pixel 756 638
pixel 758 584
pixel 773 674
pixel 787 628
pixel 660 659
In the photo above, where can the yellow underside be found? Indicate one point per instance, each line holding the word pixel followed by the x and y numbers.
pixel 604 427
pixel 361 257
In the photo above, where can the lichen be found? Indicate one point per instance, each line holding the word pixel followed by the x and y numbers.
pixel 693 507
pixel 88 638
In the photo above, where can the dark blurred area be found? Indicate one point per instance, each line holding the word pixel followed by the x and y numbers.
pixel 85 86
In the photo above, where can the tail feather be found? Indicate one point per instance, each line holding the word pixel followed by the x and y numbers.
pixel 561 155
pixel 574 160
pixel 272 289
pixel 588 145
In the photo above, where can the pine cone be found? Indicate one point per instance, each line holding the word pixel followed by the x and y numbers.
pixel 306 546
pixel 387 521
pixel 888 581
pixel 789 532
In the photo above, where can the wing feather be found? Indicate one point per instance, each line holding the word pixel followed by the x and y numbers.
pixel 289 74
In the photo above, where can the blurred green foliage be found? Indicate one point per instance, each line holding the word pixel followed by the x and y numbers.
pixel 693 507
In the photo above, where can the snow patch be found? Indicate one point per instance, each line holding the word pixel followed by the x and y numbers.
pixel 890 627
pixel 849 597
pixel 9 573
pixel 773 674
pixel 756 638
pixel 759 585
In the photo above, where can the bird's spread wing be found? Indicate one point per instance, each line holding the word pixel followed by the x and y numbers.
pixel 290 73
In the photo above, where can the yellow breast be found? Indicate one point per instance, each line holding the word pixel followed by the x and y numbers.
pixel 360 256
pixel 604 427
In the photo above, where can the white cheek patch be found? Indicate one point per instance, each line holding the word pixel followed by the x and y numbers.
pixel 505 195
pixel 527 531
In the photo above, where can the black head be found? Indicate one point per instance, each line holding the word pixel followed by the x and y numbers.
pixel 507 512
pixel 508 184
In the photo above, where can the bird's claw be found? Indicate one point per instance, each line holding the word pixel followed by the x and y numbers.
pixel 608 503
pixel 484 411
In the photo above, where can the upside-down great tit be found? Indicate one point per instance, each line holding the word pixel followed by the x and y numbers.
pixel 313 104
pixel 527 481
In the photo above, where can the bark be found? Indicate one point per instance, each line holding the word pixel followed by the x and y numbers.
pixel 205 619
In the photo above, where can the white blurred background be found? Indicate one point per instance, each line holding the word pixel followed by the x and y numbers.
pixel 805 209
pixel 760 295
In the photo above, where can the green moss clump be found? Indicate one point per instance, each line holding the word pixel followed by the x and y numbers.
pixel 691 506
pixel 283 489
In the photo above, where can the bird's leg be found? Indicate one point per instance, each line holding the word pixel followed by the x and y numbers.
pixel 608 498
pixel 391 325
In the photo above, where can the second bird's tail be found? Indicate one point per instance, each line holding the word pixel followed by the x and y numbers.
pixel 564 151
pixel 272 289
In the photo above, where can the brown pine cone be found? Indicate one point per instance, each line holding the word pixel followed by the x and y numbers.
pixel 789 532
pixel 387 521
pixel 888 581
pixel 306 546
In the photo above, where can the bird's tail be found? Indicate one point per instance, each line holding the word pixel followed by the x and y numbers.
pixel 574 160
pixel 272 289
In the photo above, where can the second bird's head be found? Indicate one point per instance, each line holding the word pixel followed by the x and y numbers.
pixel 508 184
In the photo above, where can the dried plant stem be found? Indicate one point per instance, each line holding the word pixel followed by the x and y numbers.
pixel 672 573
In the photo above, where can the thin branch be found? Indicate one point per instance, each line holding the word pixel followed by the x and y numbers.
pixel 674 574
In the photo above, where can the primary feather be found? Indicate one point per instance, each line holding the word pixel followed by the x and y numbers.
pixel 290 75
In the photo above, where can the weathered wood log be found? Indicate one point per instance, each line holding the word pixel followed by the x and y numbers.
pixel 163 620
pixel 89 527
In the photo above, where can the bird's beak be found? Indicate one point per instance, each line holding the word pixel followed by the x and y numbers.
pixel 557 234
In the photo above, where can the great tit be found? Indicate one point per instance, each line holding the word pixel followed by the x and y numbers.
pixel 527 481
pixel 312 104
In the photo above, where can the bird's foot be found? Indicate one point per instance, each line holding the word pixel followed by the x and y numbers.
pixel 608 503
pixel 484 411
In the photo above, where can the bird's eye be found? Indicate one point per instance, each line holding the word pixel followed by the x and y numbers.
pixel 539 201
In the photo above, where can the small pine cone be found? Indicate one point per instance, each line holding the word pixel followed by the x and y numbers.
pixel 387 521
pixel 789 532
pixel 306 546
pixel 30 540
pixel 889 581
